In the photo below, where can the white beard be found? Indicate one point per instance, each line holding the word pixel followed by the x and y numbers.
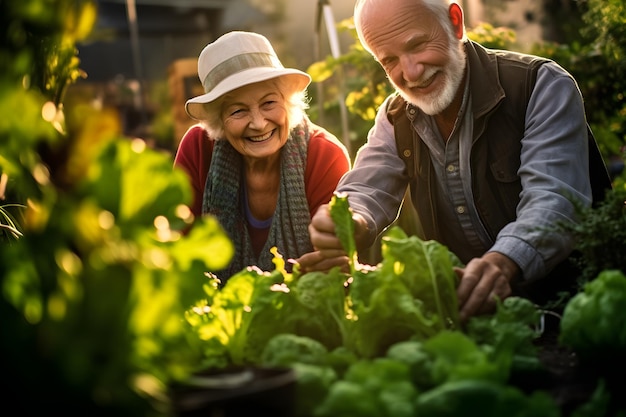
pixel 437 101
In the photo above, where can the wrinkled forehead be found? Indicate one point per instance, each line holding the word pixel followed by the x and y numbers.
pixel 373 9
pixel 383 21
pixel 363 8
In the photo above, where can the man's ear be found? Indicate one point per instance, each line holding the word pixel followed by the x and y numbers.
pixel 456 17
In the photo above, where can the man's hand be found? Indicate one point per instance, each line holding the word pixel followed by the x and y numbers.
pixel 483 280
pixel 328 251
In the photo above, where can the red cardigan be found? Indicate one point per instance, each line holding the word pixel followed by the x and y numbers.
pixel 327 161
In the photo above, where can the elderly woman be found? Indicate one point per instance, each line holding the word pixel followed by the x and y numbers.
pixel 255 160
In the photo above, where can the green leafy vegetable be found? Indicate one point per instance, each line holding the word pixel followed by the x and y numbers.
pixel 287 348
pixel 411 294
pixel 341 214
pixel 364 343
pixel 509 334
pixel 322 300
pixel 456 357
pixel 420 362
pixel 376 388
pixel 483 398
pixel 593 322
pixel 239 319
pixel 314 382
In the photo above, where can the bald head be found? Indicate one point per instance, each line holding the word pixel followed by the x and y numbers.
pixel 372 14
pixel 419 44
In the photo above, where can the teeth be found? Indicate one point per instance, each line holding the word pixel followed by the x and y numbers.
pixel 424 82
pixel 261 138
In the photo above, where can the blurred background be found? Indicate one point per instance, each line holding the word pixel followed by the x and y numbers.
pixel 141 56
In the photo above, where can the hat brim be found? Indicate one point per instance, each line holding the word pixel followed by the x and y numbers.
pixel 297 79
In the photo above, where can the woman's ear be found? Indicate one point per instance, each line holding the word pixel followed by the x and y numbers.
pixel 456 17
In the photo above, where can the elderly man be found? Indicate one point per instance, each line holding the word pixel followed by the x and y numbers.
pixel 494 146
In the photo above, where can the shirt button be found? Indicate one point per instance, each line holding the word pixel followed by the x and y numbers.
pixel 451 168
pixel 460 209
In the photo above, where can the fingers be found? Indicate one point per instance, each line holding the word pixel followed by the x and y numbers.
pixel 482 284
pixel 329 263
pixel 326 242
pixel 328 250
pixel 322 230
pixel 322 261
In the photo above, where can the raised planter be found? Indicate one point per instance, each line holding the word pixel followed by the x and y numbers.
pixel 246 391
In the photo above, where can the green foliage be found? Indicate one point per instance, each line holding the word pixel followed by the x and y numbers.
pixel 367 343
pixel 376 388
pixel 109 286
pixel 597 63
pixel 600 235
pixel 362 78
pixel 593 326
pixel 322 299
pixel 38 41
pixel 605 23
pixel 288 348
pixel 37 63
pixel 313 383
pixel 100 293
pixel 9 226
pixel 412 292
pixel 485 399
pixel 456 356
pixel 510 328
pixel 492 37
pixel 508 334
pixel 341 214
pixel 593 323
pixel 95 287
pixel 365 313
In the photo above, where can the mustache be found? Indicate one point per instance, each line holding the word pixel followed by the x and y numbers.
pixel 425 79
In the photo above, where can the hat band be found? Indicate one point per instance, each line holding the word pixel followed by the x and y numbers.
pixel 236 64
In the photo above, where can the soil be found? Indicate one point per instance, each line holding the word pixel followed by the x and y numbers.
pixel 567 381
pixel 570 381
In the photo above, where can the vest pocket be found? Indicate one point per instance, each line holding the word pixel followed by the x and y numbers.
pixel 505 169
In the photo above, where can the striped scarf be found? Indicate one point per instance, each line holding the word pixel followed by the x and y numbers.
pixel 223 198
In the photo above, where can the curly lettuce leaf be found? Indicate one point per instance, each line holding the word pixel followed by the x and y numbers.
pixel 593 322
pixel 240 318
pixel 426 268
pixel 322 300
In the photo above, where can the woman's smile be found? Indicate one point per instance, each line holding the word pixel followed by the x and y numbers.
pixel 261 138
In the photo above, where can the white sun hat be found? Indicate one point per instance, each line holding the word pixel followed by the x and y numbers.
pixel 236 59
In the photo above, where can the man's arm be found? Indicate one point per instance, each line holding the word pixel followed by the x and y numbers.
pixel 554 172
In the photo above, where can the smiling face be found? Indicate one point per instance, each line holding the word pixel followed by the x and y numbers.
pixel 421 54
pixel 255 119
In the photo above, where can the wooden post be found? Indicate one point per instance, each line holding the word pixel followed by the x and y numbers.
pixel 183 84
